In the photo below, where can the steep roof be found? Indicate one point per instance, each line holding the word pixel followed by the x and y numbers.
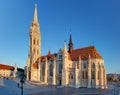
pixel 6 67
pixel 84 53
pixel 74 55
pixel 43 58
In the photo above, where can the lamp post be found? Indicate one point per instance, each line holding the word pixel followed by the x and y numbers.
pixel 21 81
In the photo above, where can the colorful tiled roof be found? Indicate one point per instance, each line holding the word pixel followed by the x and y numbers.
pixel 43 58
pixel 84 53
pixel 6 67
pixel 74 55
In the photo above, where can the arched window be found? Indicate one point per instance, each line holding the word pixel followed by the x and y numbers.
pixel 60 57
pixel 43 69
pixel 99 71
pixel 51 69
pixel 93 75
pixel 70 76
pixel 77 65
pixel 93 65
pixel 98 74
pixel 60 68
pixel 83 74
pixel 84 65
pixel 98 66
pixel 37 42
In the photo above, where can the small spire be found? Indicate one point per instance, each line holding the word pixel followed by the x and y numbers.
pixel 49 53
pixel 65 48
pixel 35 14
pixel 70 39
pixel 70 44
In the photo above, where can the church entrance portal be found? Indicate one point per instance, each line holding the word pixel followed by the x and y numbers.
pixel 59 80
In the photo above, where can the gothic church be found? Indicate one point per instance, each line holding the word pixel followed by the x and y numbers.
pixel 82 67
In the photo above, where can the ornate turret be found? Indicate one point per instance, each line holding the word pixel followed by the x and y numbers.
pixel 65 48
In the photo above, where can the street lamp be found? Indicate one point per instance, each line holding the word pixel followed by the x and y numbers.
pixel 21 81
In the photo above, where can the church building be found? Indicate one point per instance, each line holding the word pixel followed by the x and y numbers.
pixel 81 67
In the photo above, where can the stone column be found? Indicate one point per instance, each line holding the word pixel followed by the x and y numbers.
pixel 46 71
pixel 77 76
pixel 96 76
pixel 31 72
pixel 105 80
pixel 101 77
pixel 65 78
pixel 89 73
pixel 39 68
pixel 54 72
pixel 27 73
pixel 80 71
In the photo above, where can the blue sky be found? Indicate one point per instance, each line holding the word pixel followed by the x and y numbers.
pixel 92 22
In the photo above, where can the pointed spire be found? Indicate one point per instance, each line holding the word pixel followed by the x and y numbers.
pixel 65 48
pixel 35 14
pixel 70 44
pixel 49 53
pixel 70 39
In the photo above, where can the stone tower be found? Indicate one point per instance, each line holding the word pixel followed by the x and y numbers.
pixel 35 38
pixel 35 44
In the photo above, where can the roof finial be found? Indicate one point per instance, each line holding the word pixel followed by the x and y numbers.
pixel 35 14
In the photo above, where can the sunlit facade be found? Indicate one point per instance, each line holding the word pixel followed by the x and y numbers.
pixel 82 67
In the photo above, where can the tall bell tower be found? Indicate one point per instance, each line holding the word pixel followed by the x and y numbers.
pixel 35 38
pixel 35 45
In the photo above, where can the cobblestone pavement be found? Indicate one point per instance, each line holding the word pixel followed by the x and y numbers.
pixel 78 91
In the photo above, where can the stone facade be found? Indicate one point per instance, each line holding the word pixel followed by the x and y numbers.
pixel 10 71
pixel 82 67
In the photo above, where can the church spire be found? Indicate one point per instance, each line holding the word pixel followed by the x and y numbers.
pixel 70 44
pixel 35 14
pixel 70 39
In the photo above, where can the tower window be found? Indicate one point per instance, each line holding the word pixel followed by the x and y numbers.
pixel 34 42
pixel 34 50
pixel 37 42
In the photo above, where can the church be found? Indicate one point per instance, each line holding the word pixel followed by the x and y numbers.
pixel 81 67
